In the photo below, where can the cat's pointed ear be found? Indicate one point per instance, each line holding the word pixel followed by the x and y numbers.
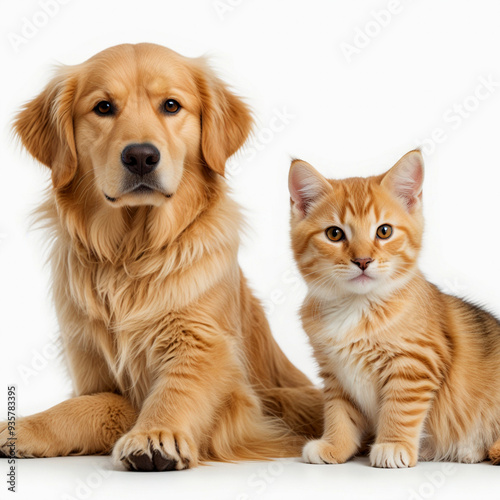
pixel 306 185
pixel 405 179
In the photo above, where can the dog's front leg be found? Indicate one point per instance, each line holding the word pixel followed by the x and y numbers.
pixel 85 425
pixel 192 373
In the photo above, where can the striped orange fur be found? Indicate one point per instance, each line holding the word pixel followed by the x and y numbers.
pixel 406 368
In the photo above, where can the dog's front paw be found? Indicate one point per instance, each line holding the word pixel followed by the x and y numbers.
pixel 321 451
pixel 393 455
pixel 155 450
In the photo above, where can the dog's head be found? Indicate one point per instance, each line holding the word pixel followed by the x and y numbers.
pixel 130 119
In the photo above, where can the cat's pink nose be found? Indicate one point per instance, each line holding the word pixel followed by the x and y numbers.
pixel 362 263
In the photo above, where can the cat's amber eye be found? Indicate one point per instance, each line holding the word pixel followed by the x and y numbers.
pixel 334 233
pixel 384 231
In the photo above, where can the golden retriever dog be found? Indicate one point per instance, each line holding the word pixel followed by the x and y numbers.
pixel 171 356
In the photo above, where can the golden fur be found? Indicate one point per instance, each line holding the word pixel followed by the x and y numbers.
pixel 165 343
pixel 406 368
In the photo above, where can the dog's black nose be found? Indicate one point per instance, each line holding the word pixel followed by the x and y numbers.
pixel 140 159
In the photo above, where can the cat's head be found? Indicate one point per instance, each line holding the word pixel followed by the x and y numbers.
pixel 357 235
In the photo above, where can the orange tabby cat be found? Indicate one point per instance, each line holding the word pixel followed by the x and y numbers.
pixel 405 366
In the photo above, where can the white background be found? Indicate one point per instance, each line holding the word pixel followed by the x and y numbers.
pixel 408 75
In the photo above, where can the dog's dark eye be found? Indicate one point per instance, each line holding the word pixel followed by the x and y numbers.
pixel 171 106
pixel 104 108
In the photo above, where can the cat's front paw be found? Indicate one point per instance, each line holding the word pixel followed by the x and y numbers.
pixel 393 455
pixel 155 450
pixel 321 451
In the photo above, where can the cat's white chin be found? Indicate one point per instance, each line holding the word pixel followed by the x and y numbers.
pixel 361 284
pixel 362 279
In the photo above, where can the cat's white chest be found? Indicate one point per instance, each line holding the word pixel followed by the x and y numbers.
pixel 349 358
pixel 358 381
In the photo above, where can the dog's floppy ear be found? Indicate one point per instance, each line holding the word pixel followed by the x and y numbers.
pixel 45 127
pixel 225 119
